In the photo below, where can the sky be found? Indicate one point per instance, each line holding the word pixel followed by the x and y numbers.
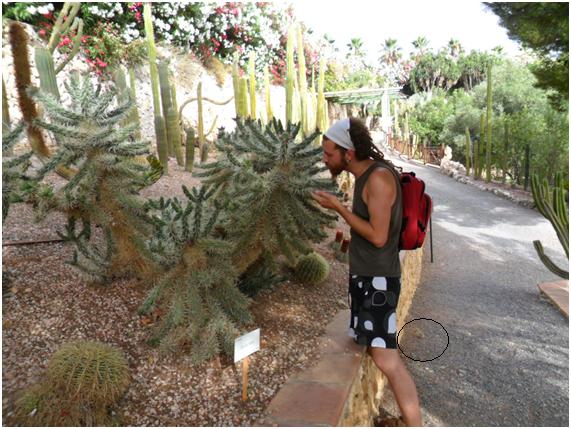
pixel 375 21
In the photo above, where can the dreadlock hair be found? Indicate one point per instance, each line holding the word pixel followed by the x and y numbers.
pixel 364 146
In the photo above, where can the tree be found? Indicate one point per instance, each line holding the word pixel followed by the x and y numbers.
pixel 455 48
pixel 355 53
pixel 420 45
pixel 391 55
pixel 544 28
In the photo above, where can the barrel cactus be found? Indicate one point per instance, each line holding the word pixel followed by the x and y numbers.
pixel 312 268
pixel 84 379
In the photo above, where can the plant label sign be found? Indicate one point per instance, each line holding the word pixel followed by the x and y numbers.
pixel 246 345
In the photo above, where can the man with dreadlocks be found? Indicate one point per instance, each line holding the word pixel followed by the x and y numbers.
pixel 374 265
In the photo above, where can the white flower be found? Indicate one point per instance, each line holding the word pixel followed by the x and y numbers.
pixel 31 10
pixel 43 10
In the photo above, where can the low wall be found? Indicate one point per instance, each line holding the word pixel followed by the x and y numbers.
pixel 345 387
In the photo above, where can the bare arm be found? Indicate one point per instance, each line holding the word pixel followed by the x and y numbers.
pixel 381 190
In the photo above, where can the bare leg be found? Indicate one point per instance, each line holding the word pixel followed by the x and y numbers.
pixel 400 380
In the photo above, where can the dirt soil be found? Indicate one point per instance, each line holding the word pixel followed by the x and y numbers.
pixel 46 304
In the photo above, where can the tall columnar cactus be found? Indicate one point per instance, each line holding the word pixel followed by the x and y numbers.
pixel 174 134
pixel 135 118
pixel 67 24
pixel 46 71
pixel 149 34
pixel 290 76
pixel 505 155
pixel 243 98
pixel 302 84
pixel 5 110
pixel 189 164
pixel 322 119
pixel 468 151
pixel 478 149
pixel 396 114
pixel 22 73
pixel 489 125
pixel 252 82
pixel 200 124
pixel 236 83
pixel 162 143
pixel 552 204
pixel 269 111
pixel 166 101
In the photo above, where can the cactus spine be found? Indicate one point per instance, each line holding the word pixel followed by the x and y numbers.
pixel 552 204
pixel 160 133
pixel 290 77
pixel 5 111
pixel 252 72
pixel 189 164
pixel 312 269
pixel 269 112
pixel 46 71
pixel 162 145
pixel 468 150
pixel 478 149
pixel 303 105
pixel 22 73
pixel 489 125
pixel 322 120
pixel 135 118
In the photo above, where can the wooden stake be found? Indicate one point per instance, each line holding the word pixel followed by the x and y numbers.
pixel 245 379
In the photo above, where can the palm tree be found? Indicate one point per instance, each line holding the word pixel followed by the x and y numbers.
pixel 420 45
pixel 455 48
pixel 355 48
pixel 390 52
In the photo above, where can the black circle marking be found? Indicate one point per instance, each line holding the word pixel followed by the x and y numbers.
pixel 420 360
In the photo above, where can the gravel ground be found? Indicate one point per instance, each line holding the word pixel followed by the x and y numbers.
pixel 508 359
pixel 46 304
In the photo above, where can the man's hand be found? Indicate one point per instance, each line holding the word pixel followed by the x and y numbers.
pixel 326 200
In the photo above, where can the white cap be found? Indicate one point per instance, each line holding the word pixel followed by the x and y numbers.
pixel 338 133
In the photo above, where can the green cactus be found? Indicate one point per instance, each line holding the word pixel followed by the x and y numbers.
pixel 83 380
pixel 120 83
pixel 166 101
pixel 23 76
pixel 149 34
pixel 162 146
pixel 189 164
pixel 200 125
pixel 302 84
pixel 46 71
pixel 173 134
pixel 552 204
pixel 135 117
pixel 93 371
pixel 489 125
pixel 204 149
pixel 468 149
pixel 478 149
pixel 252 81
pixel 322 120
pixel 269 112
pixel 236 83
pixel 5 112
pixel 66 24
pixel 290 76
pixel 312 269
pixel 243 98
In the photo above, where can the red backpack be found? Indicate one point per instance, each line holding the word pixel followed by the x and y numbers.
pixel 416 211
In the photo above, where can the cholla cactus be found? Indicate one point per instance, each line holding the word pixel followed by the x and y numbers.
pixel 198 292
pixel 13 171
pixel 267 180
pixel 105 188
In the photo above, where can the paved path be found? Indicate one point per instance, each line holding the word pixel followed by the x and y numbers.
pixel 508 359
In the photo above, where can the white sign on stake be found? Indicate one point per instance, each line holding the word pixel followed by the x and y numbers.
pixel 246 345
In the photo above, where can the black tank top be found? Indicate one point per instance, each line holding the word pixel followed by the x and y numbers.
pixel 364 258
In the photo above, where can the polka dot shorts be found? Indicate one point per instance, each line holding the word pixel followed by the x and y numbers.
pixel 373 303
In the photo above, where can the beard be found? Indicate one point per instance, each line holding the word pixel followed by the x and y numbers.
pixel 336 170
